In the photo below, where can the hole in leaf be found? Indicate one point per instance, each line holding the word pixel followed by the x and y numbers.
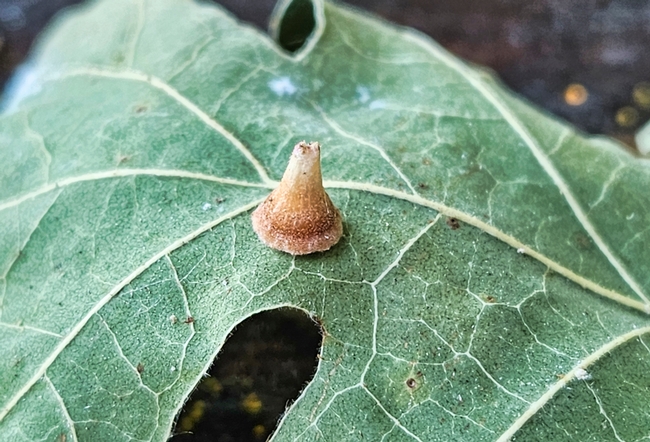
pixel 297 24
pixel 453 223
pixel 261 369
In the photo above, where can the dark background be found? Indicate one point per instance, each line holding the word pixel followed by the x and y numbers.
pixel 537 47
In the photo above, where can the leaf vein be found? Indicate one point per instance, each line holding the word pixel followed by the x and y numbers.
pixel 585 363
pixel 119 173
pixel 382 152
pixel 64 409
pixel 537 152
pixel 6 408
pixel 159 84
pixel 130 57
pixel 492 230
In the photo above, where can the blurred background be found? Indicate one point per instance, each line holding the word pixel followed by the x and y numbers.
pixel 587 61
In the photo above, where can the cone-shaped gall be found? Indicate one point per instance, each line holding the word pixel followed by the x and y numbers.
pixel 298 217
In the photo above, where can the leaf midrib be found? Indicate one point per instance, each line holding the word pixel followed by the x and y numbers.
pixel 414 197
pixel 347 185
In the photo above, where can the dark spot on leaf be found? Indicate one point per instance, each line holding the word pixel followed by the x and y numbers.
pixel 582 241
pixel 423 185
pixel 219 200
pixel 140 367
pixel 453 223
pixel 490 299
pixel 140 108
pixel 411 383
pixel 189 320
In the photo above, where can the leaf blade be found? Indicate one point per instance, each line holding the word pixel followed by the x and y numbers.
pixel 142 199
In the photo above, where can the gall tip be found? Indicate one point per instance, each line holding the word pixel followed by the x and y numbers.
pixel 298 217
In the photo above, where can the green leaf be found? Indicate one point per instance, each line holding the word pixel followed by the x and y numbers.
pixel 143 134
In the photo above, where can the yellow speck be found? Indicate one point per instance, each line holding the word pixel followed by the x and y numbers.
pixel 641 94
pixel 252 404
pixel 627 116
pixel 259 432
pixel 193 416
pixel 575 94
pixel 211 385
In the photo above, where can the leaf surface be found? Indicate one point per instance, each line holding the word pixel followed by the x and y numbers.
pixel 132 161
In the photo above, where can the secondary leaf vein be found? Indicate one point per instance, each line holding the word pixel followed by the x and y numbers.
pixel 74 331
pixel 537 152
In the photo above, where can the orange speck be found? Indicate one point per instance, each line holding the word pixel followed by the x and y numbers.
pixel 194 415
pixel 575 94
pixel 252 404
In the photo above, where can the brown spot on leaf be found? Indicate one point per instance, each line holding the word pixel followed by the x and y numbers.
pixel 453 223
pixel 582 241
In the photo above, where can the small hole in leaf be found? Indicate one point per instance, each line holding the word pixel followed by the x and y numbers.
pixel 453 223
pixel 296 25
pixel 261 369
